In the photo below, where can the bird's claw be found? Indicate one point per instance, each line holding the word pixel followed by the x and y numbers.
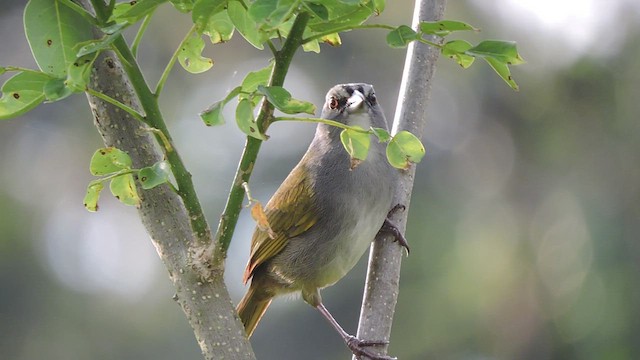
pixel 358 346
pixel 399 237
pixel 395 209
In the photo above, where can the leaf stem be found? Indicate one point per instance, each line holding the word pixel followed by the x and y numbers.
pixel 129 110
pixel 323 121
pixel 347 28
pixel 140 33
pixel 149 103
pixel 431 43
pixel 172 61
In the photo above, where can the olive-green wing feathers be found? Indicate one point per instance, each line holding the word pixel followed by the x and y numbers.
pixel 290 212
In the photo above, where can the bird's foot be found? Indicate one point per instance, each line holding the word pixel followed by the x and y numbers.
pixel 358 348
pixel 396 208
pixel 390 227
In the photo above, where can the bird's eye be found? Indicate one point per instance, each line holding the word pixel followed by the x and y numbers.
pixel 372 99
pixel 333 103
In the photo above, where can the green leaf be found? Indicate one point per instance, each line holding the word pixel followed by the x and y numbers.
pixel 444 27
pixel 379 6
pixel 342 15
pixel 318 10
pixel 219 28
pixel 401 36
pixel 53 30
pixel 270 14
pixel 212 116
pixel 282 100
pixel 21 93
pixel 123 187
pixel 245 25
pixel 256 78
pixel 204 10
pixel 154 175
pixel 382 134
pixel 245 120
pixel 56 89
pixel 503 51
pixel 132 11
pixel 499 54
pixel 404 149
pixel 503 71
pixel 108 161
pixel 79 72
pixel 332 39
pixel 2 70
pixel 357 145
pixel 182 5
pixel 190 56
pixel 91 46
pixel 260 10
pixel 93 194
pixel 311 46
pixel 456 50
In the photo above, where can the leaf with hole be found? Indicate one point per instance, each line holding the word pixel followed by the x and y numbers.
pixel 190 55
pixel 404 149
pixel 282 100
pixel 108 161
pixel 123 188
pixel 154 175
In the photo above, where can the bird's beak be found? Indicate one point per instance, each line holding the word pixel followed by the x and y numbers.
pixel 355 101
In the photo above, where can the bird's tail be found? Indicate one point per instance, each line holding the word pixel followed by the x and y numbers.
pixel 252 307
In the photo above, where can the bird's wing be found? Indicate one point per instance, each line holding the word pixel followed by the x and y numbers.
pixel 290 212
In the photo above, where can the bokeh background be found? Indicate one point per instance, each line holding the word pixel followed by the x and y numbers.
pixel 524 222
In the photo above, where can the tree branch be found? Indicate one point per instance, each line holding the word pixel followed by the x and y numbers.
pixel 169 217
pixel 381 289
pixel 232 209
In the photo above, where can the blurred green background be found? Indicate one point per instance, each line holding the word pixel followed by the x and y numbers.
pixel 524 220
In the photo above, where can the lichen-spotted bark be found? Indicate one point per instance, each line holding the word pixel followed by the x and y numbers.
pixel 202 296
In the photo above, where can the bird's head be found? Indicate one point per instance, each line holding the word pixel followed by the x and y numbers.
pixel 354 104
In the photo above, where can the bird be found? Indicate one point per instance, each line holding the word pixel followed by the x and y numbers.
pixel 323 216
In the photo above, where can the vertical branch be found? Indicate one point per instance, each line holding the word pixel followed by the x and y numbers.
pixel 174 221
pixel 383 275
pixel 231 212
